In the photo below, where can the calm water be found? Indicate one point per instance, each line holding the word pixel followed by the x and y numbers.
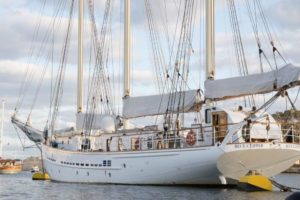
pixel 22 187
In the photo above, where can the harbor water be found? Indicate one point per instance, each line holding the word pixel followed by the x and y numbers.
pixel 20 186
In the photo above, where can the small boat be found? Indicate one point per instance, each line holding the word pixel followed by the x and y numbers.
pixel 35 169
pixel 8 166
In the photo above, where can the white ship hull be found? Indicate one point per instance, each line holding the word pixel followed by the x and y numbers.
pixel 162 167
pixel 191 166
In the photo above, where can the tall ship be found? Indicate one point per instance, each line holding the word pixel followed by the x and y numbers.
pixel 217 145
pixel 7 166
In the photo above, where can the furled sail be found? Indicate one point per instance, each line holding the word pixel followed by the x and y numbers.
pixel 158 104
pixel 284 78
pixel 32 133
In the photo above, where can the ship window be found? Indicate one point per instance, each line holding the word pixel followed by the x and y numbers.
pixel 77 164
pixel 92 165
pixel 61 162
pixel 87 165
pixel 109 163
pixel 208 116
pixel 82 164
pixel 104 163
pixel 96 165
pixel 100 165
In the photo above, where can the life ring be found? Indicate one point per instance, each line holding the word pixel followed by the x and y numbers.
pixel 191 138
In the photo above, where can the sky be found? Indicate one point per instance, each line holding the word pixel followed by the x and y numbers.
pixel 20 48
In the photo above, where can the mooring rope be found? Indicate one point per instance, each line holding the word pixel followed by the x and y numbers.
pixel 282 187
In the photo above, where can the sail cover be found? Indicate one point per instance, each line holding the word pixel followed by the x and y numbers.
pixel 33 134
pixel 134 107
pixel 286 77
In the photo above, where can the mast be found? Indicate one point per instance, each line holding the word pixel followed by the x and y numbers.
pixel 210 39
pixel 127 51
pixel 80 59
pixel 2 127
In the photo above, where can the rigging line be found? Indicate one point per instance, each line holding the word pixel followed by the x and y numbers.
pixel 158 56
pixel 181 53
pixel 266 24
pixel 265 21
pixel 168 80
pixel 189 36
pixel 173 42
pixel 104 74
pixel 60 6
pixel 52 67
pixel 99 88
pixel 35 33
pixel 172 96
pixel 254 24
pixel 297 96
pixel 166 27
pixel 269 103
pixel 38 90
pixel 120 49
pixel 19 137
pixel 289 99
pixel 112 89
pixel 25 88
pixel 239 48
pixel 61 73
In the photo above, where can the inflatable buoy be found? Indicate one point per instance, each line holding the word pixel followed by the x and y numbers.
pixel 40 176
pixel 191 138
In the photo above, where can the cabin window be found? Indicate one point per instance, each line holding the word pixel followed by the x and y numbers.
pixel 109 163
pixel 149 143
pixel 208 116
pixel 108 144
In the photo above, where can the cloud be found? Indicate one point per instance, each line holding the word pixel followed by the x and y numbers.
pixel 285 14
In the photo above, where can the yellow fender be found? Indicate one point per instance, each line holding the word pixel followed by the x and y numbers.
pixel 255 183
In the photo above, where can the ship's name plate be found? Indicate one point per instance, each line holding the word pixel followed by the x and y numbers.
pixel 247 145
pixel 292 146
